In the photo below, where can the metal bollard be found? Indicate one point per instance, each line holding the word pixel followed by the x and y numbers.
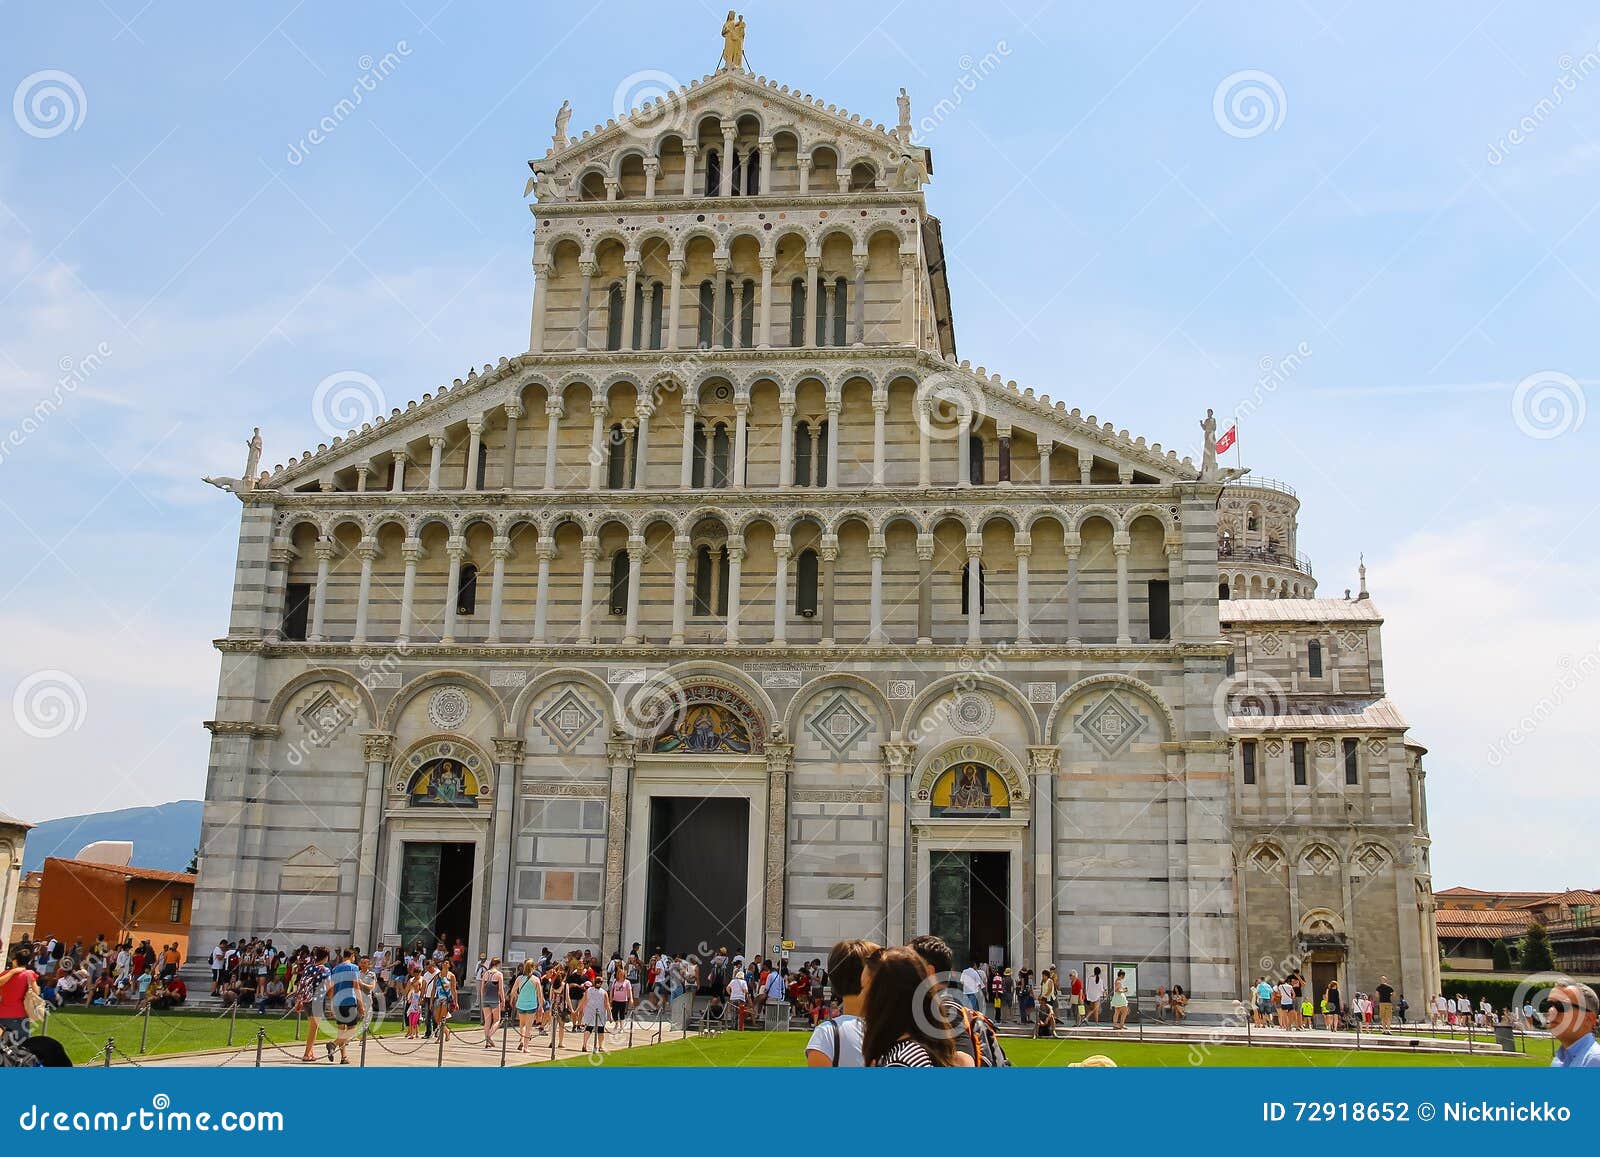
pixel 233 1018
pixel 504 1027
pixel 297 1011
pixel 144 1033
pixel 261 1036
pixel 552 1037
pixel 361 1061
pixel 440 1035
pixel 109 1043
pixel 44 1025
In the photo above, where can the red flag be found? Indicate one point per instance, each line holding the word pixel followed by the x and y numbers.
pixel 1227 439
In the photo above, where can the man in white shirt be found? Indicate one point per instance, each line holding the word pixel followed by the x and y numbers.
pixel 836 1043
pixel 972 986
pixel 739 998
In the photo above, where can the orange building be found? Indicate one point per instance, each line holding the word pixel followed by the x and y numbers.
pixel 80 899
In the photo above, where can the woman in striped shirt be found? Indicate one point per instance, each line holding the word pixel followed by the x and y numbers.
pixel 907 1026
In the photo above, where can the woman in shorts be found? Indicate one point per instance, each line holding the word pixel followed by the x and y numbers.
pixel 312 987
pixel 1119 1000
pixel 594 1015
pixel 559 1009
pixel 444 1001
pixel 491 992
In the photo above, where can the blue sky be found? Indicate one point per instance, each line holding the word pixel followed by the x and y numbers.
pixel 1115 241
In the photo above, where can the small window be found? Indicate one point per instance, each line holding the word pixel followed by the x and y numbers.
pixel 975 460
pixel 614 317
pixel 467 590
pixel 1231 665
pixel 805 592
pixel 703 322
pixel 802 454
pixel 721 456
pixel 1222 591
pixel 752 173
pixel 619 583
pixel 702 581
pixel 698 472
pixel 481 473
pixel 1314 659
pixel 617 459
pixel 713 174
pixel 1160 600
pixel 797 312
pixel 982 591
pixel 822 463
pixel 296 610
pixel 175 910
pixel 1298 755
pixel 1247 758
pixel 1352 766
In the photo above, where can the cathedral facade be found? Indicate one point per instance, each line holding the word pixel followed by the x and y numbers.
pixel 738 611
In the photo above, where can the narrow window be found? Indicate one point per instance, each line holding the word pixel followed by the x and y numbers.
pixel 1298 753
pixel 1160 598
pixel 702 580
pixel 467 590
pixel 616 459
pixel 713 173
pixel 982 592
pixel 614 317
pixel 747 316
pixel 175 910
pixel 1314 659
pixel 805 593
pixel 698 480
pixel 1247 756
pixel 802 454
pixel 975 460
pixel 482 472
pixel 722 580
pixel 619 583
pixel 1352 767
pixel 820 309
pixel 636 338
pixel 720 457
pixel 1222 592
pixel 296 610
pixel 1231 665
pixel 703 322
pixel 841 310
pixel 655 315
pixel 823 465
pixel 797 312
pixel 736 178
pixel 752 173
pixel 728 320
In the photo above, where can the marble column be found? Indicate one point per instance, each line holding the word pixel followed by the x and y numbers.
pixel 690 155
pixel 781 546
pixel 1002 469
pixel 719 282
pixel 652 172
pixel 924 589
pixel 964 450
pixel 829 553
pixel 619 758
pixel 764 340
pixel 585 286
pixel 507 762
pixel 641 449
pixel 924 443
pixel 899 759
pixel 1042 763
pixel 1023 548
pixel 1044 462
pixel 786 442
pixel 908 298
pixel 974 589
pixel 674 302
pixel 552 440
pixel 366 551
pixel 400 460
pixel 835 409
pixel 764 184
pixel 680 586
pixel 590 551
pixel 686 475
pixel 541 301
pixel 741 422
pixel 629 287
pixel 499 551
pixel 1074 600
pixel 613 186
pixel 456 547
pixel 780 761
pixel 804 165
pixel 858 306
pixel 597 442
pixel 651 290
pixel 361 478
pixel 876 549
pixel 1120 545
pixel 1085 468
pixel 513 414
pixel 377 748
pixel 735 583
pixel 630 633
pixel 469 481
pixel 729 129
pixel 545 552
pixel 880 411
pixel 813 264
pixel 436 442
pixel 319 600
pixel 736 321
pixel 830 303
pixel 411 551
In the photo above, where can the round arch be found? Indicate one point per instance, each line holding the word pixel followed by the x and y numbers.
pixel 971 680
pixel 286 693
pixel 435 678
pixel 1127 682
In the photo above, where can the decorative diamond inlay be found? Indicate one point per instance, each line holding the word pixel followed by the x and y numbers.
pixel 1317 861
pixel 567 720
pixel 325 715
pixel 1111 725
pixel 1270 644
pixel 838 724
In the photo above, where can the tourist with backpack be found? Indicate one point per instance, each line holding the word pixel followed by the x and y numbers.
pixel 975 1036
pixel 911 1021
pixel 836 1042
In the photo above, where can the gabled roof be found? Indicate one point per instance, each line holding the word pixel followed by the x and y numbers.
pixel 1325 714
pixel 1567 899
pixel 125 871
pixel 618 130
pixel 1298 611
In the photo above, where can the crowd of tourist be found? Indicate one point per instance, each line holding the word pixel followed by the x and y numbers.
pixel 102 974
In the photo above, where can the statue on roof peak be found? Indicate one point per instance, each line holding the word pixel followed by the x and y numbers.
pixel 563 119
pixel 732 43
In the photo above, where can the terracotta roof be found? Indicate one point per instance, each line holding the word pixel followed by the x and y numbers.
pixel 1576 896
pixel 1485 924
pixel 126 871
pixel 8 818
pixel 1298 611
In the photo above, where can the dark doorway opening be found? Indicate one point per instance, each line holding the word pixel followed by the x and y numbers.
pixel 436 893
pixel 696 895
pixel 968 904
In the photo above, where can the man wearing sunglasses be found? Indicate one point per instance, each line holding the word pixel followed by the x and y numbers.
pixel 1570 1013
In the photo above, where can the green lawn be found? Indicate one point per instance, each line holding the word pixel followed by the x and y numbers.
pixel 784 1050
pixel 84 1031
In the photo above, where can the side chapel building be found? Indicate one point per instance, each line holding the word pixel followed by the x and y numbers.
pixel 737 611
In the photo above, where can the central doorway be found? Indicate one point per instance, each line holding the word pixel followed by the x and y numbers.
pixel 968 906
pixel 696 893
pixel 436 893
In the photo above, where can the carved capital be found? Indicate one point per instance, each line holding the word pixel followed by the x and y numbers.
pixel 507 749
pixel 899 758
pixel 1044 760
pixel 377 746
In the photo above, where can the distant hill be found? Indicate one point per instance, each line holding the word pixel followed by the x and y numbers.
pixel 163 836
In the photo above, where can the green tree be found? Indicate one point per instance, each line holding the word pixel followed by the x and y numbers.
pixel 1501 955
pixel 1536 955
